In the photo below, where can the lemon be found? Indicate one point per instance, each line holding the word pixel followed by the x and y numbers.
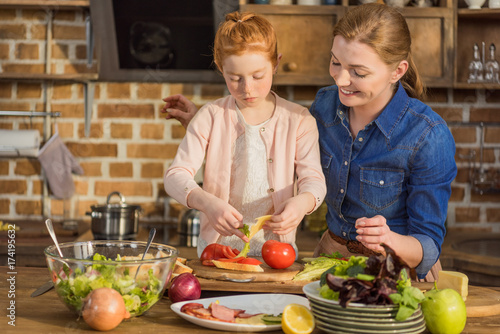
pixel 297 319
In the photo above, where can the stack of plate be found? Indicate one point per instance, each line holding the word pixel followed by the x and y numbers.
pixel 359 318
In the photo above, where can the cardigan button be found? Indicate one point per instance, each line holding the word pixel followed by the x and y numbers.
pixel 271 190
pixel 262 129
pixel 270 160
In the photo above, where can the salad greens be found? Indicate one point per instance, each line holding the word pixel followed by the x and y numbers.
pixel 374 281
pixel 138 295
pixel 244 252
pixel 315 267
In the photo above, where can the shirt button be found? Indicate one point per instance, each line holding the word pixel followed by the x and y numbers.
pixel 270 160
pixel 262 129
pixel 381 182
pixel 271 190
pixel 341 191
pixel 346 163
pixel 341 216
pixel 360 139
pixel 340 112
pixel 344 234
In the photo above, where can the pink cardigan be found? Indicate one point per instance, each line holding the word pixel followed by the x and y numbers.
pixel 291 140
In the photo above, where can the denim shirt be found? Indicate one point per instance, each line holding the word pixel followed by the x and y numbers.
pixel 400 166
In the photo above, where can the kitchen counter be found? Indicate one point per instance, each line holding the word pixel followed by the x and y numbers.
pixel 47 314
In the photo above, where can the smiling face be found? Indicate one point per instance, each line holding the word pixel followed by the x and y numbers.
pixel 365 82
pixel 249 78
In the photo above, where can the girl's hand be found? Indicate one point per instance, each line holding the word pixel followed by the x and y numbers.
pixel 372 232
pixel 222 216
pixel 179 107
pixel 225 219
pixel 291 212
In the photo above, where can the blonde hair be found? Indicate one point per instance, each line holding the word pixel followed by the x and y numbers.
pixel 245 32
pixel 385 30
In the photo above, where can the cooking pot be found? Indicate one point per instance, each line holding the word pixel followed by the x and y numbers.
pixel 188 227
pixel 117 221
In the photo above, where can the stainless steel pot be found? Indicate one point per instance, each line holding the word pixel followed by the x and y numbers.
pixel 117 221
pixel 188 227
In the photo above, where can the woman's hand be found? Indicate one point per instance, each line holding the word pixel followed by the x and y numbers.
pixel 372 232
pixel 290 213
pixel 223 217
pixel 179 107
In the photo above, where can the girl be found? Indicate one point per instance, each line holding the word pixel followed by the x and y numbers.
pixel 257 146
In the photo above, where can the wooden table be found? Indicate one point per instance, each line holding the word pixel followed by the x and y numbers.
pixel 47 314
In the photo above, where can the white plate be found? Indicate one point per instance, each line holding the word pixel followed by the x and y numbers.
pixel 269 303
pixel 311 290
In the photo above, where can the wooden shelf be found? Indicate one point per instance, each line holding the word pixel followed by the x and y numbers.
pixel 483 85
pixel 292 9
pixel 487 13
pixel 474 26
pixel 79 77
pixel 51 4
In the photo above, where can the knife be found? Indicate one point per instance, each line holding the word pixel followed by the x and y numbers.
pixel 44 288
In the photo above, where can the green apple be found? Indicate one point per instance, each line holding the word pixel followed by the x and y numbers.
pixel 444 311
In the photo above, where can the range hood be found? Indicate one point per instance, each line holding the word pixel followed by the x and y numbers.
pixel 157 41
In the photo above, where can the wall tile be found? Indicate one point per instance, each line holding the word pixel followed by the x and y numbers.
pixel 27 90
pixel 4 206
pixel 121 169
pixel 156 151
pixel 104 188
pixel 124 110
pixel 152 131
pixel 28 207
pixel 122 131
pixel 27 167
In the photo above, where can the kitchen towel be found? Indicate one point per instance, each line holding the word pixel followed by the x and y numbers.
pixel 58 164
pixel 16 143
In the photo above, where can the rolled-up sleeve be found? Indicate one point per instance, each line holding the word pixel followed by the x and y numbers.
pixel 433 171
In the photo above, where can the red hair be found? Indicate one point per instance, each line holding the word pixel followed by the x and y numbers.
pixel 245 32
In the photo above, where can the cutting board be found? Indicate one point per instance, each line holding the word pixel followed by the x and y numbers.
pixel 481 301
pixel 268 275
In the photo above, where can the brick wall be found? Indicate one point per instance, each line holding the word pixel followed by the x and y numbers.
pixel 130 144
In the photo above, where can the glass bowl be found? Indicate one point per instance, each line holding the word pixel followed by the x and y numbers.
pixel 90 265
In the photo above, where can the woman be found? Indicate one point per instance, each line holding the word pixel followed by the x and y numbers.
pixel 388 159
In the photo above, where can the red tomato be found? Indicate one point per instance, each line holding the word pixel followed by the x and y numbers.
pixel 228 252
pixel 212 252
pixel 208 263
pixel 278 255
pixel 249 260
pixel 217 252
pixel 234 259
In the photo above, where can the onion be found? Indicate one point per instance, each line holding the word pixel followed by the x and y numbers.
pixel 184 287
pixel 104 309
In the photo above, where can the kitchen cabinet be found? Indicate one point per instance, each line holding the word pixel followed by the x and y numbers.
pixel 474 26
pixel 305 38
pixel 432 43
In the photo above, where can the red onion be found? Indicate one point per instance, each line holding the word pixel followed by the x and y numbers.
pixel 184 287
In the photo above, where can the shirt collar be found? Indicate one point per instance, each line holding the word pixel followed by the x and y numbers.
pixel 389 117
pixel 393 112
